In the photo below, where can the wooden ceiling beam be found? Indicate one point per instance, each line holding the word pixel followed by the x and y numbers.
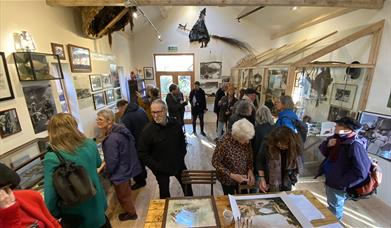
pixel 113 22
pixel 360 4
pixel 311 21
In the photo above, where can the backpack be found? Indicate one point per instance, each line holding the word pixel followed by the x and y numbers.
pixel 72 182
pixel 301 127
pixel 369 186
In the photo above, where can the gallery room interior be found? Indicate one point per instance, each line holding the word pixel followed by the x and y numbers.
pixel 330 58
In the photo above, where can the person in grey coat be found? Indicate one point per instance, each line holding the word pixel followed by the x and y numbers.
pixel 121 159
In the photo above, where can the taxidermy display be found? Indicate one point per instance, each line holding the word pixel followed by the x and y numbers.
pixel 321 83
pixel 199 33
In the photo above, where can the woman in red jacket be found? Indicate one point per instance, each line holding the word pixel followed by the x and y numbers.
pixel 21 208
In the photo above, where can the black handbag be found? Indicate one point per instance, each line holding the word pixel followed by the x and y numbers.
pixel 72 183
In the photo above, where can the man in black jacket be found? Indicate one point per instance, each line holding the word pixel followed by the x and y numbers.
pixel 135 119
pixel 176 106
pixel 163 148
pixel 198 106
pixel 219 94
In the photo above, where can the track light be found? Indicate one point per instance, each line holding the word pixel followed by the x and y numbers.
pixel 295 8
pixel 134 15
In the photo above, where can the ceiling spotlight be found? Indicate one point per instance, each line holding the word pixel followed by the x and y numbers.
pixel 159 37
pixel 295 8
pixel 134 15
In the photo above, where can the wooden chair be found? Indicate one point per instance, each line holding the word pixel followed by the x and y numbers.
pixel 241 187
pixel 199 177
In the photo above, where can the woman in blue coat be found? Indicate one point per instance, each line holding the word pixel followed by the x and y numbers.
pixel 286 115
pixel 121 160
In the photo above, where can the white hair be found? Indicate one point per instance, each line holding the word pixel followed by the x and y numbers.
pixel 263 115
pixel 107 114
pixel 243 129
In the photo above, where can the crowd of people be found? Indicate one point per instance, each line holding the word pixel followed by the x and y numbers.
pixel 251 149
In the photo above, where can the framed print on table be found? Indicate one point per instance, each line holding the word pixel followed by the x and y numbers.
pixel 9 123
pixel 80 59
pixel 343 95
pixel 58 49
pixel 96 82
pixel 190 212
pixel 99 100
pixel 6 92
pixel 148 73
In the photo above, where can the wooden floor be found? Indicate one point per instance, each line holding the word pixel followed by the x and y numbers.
pixel 365 213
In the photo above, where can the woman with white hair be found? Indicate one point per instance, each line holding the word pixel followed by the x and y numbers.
pixel 121 160
pixel 232 157
pixel 264 125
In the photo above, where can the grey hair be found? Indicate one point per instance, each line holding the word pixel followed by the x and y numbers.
pixel 160 102
pixel 243 129
pixel 243 108
pixel 107 114
pixel 287 102
pixel 263 115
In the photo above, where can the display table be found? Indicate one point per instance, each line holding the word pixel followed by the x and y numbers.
pixel 156 210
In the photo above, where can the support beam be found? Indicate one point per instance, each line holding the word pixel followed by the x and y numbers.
pixel 311 21
pixel 360 4
pixel 112 22
pixel 332 47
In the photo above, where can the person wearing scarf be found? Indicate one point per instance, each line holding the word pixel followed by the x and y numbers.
pixel 279 160
pixel 346 163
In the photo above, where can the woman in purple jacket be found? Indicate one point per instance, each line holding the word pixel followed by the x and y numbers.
pixel 121 160
pixel 346 165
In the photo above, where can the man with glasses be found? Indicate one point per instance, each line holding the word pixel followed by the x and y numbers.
pixel 162 147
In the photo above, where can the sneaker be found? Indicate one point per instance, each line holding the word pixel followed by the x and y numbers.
pixel 138 185
pixel 203 133
pixel 127 216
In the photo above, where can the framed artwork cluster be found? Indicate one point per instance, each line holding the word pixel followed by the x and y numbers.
pixel 103 91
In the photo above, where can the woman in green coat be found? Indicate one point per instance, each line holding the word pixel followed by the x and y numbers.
pixel 73 145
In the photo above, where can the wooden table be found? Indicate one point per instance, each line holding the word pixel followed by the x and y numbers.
pixel 156 210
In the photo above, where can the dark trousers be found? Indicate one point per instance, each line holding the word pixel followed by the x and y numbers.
pixel 229 189
pixel 124 195
pixel 164 185
pixel 107 224
pixel 141 178
pixel 194 117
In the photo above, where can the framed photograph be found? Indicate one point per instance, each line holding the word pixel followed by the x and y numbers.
pixel 96 82
pixel 376 128
pixel 99 100
pixel 32 66
pixel 117 94
pixel 336 113
pixel 9 123
pixel 114 75
pixel 148 73
pixel 106 81
pixel 190 212
pixel 210 88
pixel 270 210
pixel 389 101
pixel 58 49
pixel 41 106
pixel 6 92
pixel 109 96
pixel 80 58
pixel 343 95
pixel 210 70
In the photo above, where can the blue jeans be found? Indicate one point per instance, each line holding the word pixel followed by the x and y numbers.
pixel 220 128
pixel 336 200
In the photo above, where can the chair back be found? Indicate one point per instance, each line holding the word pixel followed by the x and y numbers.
pixel 199 177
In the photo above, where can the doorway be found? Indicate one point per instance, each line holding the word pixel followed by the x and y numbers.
pixel 178 69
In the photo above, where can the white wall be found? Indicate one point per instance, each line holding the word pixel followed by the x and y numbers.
pixel 51 24
pixel 219 21
pixel 381 85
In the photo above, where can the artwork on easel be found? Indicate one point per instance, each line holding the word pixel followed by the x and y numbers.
pixel 270 210
pixel 343 95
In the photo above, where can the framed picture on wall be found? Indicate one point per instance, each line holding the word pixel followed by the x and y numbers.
pixel 210 70
pixel 117 94
pixel 106 81
pixel 148 73
pixel 109 96
pixel 58 49
pixel 376 128
pixel 9 123
pixel 99 100
pixel 6 92
pixel 343 95
pixel 80 59
pixel 96 82
pixel 336 113
pixel 114 75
